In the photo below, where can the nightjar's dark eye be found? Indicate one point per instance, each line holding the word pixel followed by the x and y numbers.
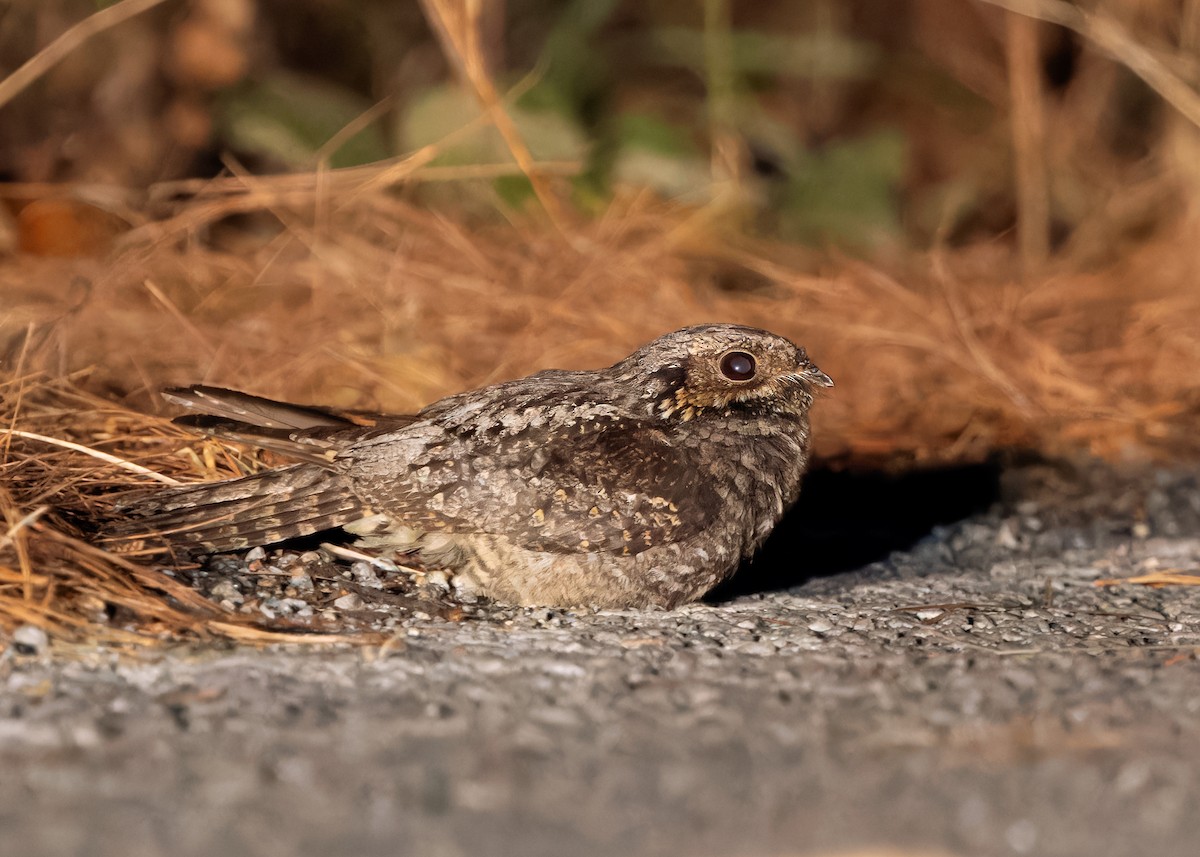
pixel 738 366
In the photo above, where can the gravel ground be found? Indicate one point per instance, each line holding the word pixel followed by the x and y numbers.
pixel 973 693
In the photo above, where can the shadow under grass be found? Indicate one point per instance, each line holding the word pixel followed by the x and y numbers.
pixel 845 520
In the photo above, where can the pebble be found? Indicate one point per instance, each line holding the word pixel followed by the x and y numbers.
pixel 353 601
pixel 226 590
pixel 283 606
pixel 30 640
pixel 300 581
pixel 365 574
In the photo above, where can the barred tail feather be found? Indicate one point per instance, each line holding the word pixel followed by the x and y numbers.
pixel 241 513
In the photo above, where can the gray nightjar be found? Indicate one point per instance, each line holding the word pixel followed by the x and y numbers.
pixel 643 484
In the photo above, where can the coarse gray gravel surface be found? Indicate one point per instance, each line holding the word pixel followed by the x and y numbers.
pixel 975 693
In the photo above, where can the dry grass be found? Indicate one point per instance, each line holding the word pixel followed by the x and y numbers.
pixel 363 299
pixel 59 467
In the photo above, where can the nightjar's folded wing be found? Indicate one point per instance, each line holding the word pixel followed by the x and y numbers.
pixel 610 484
pixel 619 490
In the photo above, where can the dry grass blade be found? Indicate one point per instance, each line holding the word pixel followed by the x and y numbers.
pixel 51 575
pixel 1029 139
pixel 94 453
pixel 458 26
pixel 15 529
pixel 1109 36
pixel 1165 577
pixel 69 41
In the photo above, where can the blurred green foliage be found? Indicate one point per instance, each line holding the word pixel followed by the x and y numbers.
pixel 815 56
pixel 624 99
pixel 845 193
pixel 867 124
pixel 288 119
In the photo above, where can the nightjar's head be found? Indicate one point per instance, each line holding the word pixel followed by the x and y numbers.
pixel 722 369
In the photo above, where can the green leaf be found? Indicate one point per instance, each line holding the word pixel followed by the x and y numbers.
pixel 444 111
pixel 847 192
pixel 649 132
pixel 656 154
pixel 289 117
pixel 822 55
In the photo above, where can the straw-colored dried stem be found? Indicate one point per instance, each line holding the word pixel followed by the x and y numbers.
pixel 68 42
pixel 1028 128
pixel 1109 36
pixel 457 24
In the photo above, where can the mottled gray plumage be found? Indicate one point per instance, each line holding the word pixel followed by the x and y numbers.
pixel 641 484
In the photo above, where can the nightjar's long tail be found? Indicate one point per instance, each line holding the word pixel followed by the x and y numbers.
pixel 270 507
pixel 241 513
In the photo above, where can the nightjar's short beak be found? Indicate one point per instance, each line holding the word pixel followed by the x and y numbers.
pixel 816 376
pixel 809 372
